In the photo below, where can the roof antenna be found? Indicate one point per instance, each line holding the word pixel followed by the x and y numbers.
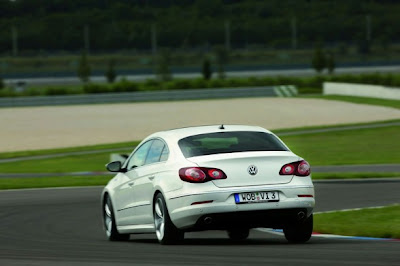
pixel 222 126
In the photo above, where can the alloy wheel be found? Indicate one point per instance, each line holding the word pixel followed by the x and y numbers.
pixel 107 219
pixel 159 219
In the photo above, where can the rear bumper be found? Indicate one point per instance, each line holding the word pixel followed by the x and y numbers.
pixel 250 219
pixel 225 213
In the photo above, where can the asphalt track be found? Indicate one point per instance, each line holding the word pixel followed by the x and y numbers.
pixel 63 227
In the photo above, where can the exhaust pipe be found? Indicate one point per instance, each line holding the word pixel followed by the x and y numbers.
pixel 301 215
pixel 208 220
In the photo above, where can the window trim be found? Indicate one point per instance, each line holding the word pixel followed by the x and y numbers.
pixel 136 149
pixel 165 145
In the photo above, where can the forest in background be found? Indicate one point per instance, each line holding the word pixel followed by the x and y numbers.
pixel 59 25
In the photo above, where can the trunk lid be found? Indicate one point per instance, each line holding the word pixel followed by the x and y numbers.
pixel 248 168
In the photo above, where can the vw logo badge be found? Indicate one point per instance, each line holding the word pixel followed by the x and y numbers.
pixel 252 170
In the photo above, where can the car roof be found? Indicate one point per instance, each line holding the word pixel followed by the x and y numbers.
pixel 179 133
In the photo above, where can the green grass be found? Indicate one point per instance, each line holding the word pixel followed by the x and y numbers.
pixel 360 146
pixel 319 176
pixel 59 181
pixel 132 144
pixel 382 222
pixel 361 100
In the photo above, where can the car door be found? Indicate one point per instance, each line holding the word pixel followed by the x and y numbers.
pixel 125 197
pixel 145 176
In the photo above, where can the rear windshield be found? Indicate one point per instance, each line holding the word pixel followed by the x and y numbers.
pixel 228 142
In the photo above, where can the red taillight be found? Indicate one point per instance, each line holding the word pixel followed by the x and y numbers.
pixel 304 168
pixel 200 174
pixel 300 168
pixel 216 174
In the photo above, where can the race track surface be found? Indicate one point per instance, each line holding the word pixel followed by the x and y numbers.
pixel 63 227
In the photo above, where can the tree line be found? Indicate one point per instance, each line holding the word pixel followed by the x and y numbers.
pixel 187 24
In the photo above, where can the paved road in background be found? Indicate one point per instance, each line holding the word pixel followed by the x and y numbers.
pixel 252 73
pixel 63 227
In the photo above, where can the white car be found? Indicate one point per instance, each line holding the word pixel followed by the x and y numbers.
pixel 222 177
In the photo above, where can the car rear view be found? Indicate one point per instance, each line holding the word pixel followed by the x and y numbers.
pixel 242 178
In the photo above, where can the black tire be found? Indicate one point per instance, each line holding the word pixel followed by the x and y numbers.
pixel 166 231
pixel 299 232
pixel 238 234
pixel 109 223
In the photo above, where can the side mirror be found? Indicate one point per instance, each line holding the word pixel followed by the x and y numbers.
pixel 114 166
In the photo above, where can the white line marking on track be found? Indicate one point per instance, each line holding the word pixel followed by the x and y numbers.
pixel 357 209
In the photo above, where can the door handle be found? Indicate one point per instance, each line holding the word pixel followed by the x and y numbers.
pixel 131 183
pixel 151 177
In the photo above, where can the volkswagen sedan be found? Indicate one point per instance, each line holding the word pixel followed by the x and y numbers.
pixel 222 177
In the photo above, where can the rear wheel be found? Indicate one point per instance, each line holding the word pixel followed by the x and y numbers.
pixel 166 231
pixel 238 233
pixel 299 232
pixel 109 223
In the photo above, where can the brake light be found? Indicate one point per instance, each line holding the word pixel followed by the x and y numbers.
pixel 300 168
pixel 200 174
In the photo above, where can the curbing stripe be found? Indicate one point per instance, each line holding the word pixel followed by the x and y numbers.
pixel 278 92
pixel 284 91
pixel 293 89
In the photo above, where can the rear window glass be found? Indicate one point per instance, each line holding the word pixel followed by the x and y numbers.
pixel 228 142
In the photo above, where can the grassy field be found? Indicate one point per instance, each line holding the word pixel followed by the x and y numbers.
pixel 361 146
pixel 124 145
pixel 361 100
pixel 382 222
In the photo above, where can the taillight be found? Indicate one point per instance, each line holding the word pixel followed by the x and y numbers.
pixel 300 168
pixel 200 174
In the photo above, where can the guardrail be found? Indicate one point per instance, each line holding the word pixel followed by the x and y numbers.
pixel 173 95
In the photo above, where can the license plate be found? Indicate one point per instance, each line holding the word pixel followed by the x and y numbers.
pixel 257 197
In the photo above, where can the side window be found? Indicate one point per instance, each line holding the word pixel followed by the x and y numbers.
pixel 155 152
pixel 164 154
pixel 139 157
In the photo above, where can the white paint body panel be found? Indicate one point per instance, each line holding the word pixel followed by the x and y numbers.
pixel 132 193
